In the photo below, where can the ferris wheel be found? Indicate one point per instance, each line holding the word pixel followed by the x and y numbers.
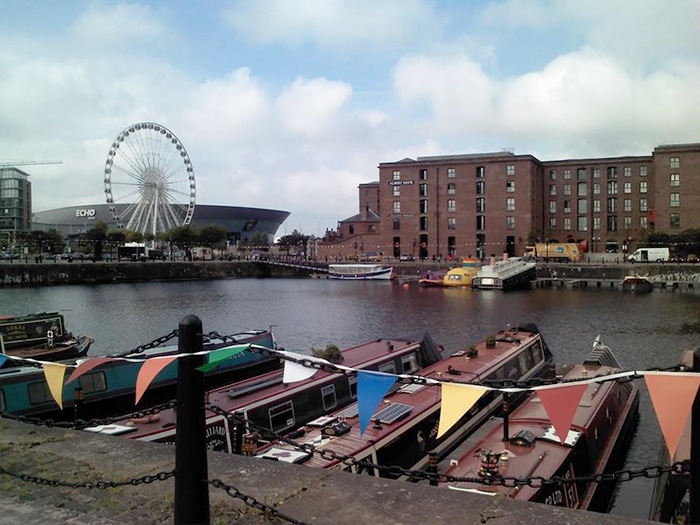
pixel 149 180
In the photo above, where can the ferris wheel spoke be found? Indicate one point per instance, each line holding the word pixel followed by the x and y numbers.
pixel 128 172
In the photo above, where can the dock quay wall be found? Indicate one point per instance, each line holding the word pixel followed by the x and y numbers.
pixel 51 273
pixel 83 466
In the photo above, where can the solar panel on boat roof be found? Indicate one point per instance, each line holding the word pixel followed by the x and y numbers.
pixel 351 411
pixel 392 413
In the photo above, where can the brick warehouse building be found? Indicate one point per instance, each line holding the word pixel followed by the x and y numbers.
pixel 492 203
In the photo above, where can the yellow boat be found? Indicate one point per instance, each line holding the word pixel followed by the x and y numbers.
pixel 462 275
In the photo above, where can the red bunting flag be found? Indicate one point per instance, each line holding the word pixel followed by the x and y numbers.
pixel 672 396
pixel 561 404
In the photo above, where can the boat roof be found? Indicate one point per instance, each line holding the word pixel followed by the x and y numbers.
pixel 410 402
pixel 534 449
pixel 259 390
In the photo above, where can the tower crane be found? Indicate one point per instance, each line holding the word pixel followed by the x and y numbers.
pixel 28 163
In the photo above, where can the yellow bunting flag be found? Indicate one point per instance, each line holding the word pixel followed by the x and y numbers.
pixel 672 396
pixel 54 374
pixel 457 399
pixel 149 370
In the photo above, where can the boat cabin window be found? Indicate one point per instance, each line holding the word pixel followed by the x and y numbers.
pixel 39 393
pixel 352 386
pixel 329 399
pixel 388 368
pixel 3 406
pixel 409 364
pixel 282 417
pixel 93 382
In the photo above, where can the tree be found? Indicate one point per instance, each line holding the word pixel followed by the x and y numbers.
pixel 295 240
pixel 212 235
pixel 96 236
pixel 259 241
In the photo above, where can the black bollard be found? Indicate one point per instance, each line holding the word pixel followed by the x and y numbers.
pixel 694 451
pixel 191 473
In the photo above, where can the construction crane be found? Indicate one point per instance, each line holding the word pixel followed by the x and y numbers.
pixel 28 163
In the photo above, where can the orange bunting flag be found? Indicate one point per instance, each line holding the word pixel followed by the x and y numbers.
pixel 672 396
pixel 457 400
pixel 54 374
pixel 149 370
pixel 86 366
pixel 561 404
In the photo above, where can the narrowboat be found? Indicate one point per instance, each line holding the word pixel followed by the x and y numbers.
pixel 109 390
pixel 270 402
pixel 360 272
pixel 41 336
pixel 637 284
pixel 405 427
pixel 526 444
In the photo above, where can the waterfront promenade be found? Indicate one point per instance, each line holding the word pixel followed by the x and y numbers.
pixel 600 268
pixel 300 493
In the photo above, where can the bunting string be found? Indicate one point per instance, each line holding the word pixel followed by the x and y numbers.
pixel 672 391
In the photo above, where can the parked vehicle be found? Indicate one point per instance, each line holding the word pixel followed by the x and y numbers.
pixel 650 255
pixel 558 252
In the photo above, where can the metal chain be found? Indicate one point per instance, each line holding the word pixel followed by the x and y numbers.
pixel 153 344
pixel 396 471
pixel 81 424
pixel 252 502
pixel 161 476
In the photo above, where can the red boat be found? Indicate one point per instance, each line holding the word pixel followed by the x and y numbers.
pixel 405 427
pixel 270 402
pixel 529 447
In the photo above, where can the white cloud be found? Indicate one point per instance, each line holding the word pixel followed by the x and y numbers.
pixel 117 26
pixel 375 24
pixel 303 140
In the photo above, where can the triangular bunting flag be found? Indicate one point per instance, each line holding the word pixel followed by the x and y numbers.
pixel 561 404
pixel 457 399
pixel 371 388
pixel 672 396
pixel 88 365
pixel 149 370
pixel 294 372
pixel 54 374
pixel 216 357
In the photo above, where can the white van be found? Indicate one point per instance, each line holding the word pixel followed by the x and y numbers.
pixel 650 255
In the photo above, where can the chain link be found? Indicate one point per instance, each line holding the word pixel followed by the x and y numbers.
pixel 252 502
pixel 153 344
pixel 81 424
pixel 101 485
pixel 395 471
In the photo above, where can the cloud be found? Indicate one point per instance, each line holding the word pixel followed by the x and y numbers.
pixel 270 118
pixel 373 24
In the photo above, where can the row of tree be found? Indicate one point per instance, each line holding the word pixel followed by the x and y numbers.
pixel 213 236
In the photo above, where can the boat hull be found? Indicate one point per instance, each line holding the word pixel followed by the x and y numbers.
pixel 595 443
pixel 109 389
pixel 360 272
pixel 638 285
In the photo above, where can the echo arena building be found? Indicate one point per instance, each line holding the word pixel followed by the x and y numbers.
pixel 240 222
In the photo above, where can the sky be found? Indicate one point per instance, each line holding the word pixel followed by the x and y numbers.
pixel 290 105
